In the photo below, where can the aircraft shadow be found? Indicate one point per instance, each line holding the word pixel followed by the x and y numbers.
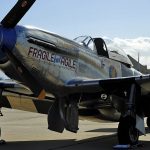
pixel 103 130
pixel 96 143
pixel 112 130
pixel 101 142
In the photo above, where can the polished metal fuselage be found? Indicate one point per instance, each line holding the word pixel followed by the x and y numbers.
pixel 54 60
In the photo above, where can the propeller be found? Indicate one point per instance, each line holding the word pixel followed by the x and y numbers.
pixel 8 41
pixel 16 13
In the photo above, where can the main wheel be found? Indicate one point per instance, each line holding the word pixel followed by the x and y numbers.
pixel 2 142
pixel 127 133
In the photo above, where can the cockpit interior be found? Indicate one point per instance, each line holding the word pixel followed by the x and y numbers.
pixel 99 46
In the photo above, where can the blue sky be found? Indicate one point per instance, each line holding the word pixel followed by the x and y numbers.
pixel 125 22
pixel 70 18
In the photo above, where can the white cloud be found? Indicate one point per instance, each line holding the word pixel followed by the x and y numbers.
pixel 132 47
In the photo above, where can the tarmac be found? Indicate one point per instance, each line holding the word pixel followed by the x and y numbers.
pixel 27 131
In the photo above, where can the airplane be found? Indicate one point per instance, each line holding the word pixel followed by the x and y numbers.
pixel 66 78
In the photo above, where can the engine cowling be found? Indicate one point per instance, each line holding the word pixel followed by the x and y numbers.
pixel 9 70
pixel 8 39
pixel 3 57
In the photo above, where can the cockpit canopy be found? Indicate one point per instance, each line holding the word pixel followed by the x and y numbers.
pixel 98 45
pixel 86 41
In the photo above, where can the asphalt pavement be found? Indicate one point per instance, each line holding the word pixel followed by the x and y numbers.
pixel 27 131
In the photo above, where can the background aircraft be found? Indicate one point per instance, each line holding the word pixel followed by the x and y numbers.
pixel 65 78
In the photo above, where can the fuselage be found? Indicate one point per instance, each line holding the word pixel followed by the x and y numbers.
pixel 55 60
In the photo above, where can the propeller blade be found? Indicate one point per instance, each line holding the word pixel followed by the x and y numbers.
pixel 16 13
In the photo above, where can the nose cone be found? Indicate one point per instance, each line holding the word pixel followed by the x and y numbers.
pixel 7 40
pixel 1 36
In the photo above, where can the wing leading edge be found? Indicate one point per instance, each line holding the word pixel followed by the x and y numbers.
pixel 109 85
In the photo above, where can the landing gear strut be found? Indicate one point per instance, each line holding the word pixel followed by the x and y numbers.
pixel 127 132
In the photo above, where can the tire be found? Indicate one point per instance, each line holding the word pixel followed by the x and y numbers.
pixel 2 142
pixel 127 133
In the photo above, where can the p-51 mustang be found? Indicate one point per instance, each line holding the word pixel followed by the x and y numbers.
pixel 64 78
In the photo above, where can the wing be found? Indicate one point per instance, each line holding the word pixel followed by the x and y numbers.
pixel 17 96
pixel 109 85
